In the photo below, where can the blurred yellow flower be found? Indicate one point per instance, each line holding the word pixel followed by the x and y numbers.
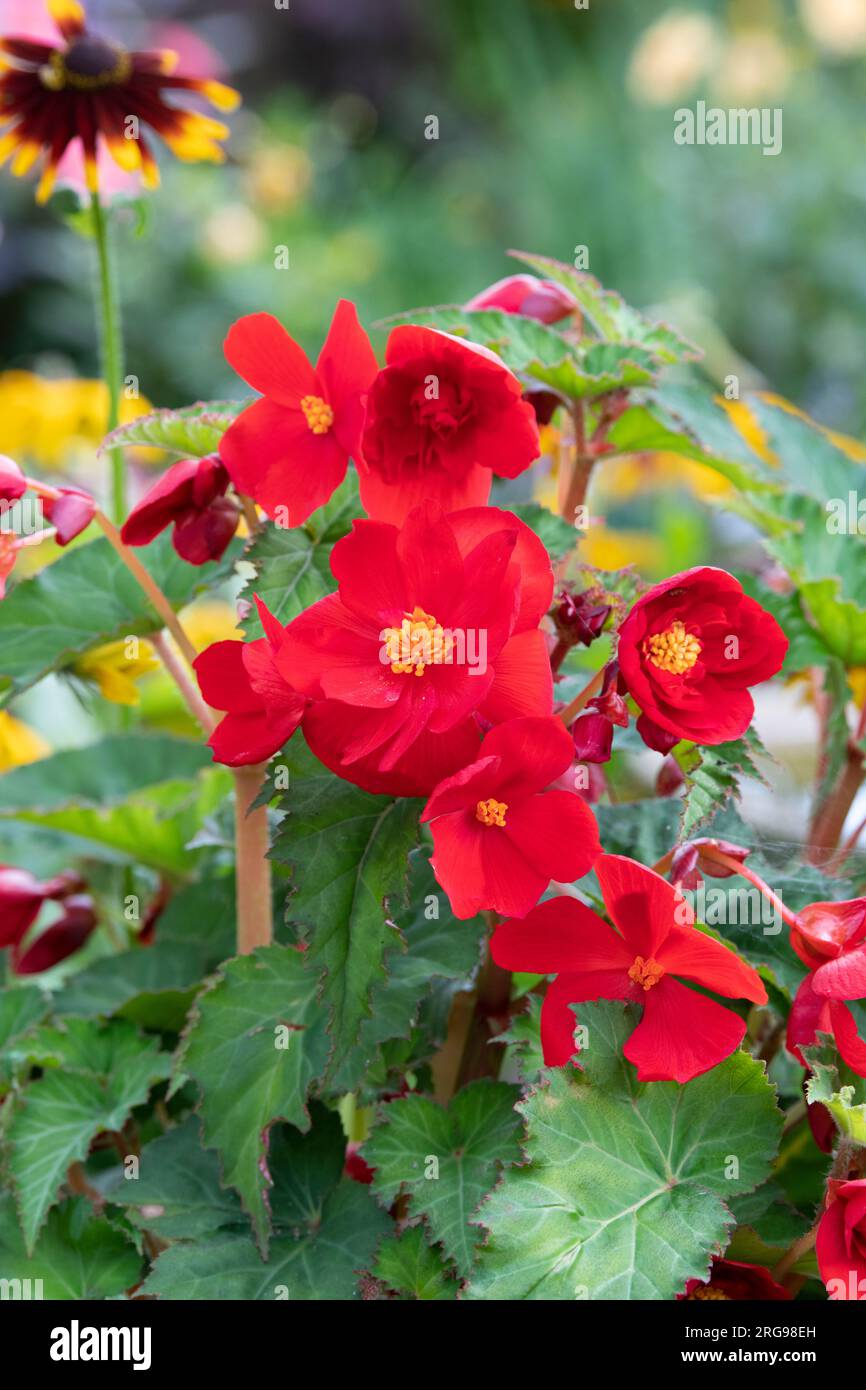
pixel 115 668
pixel 56 424
pixel 609 549
pixel 279 176
pixel 754 66
pixel 742 417
pixel 212 620
pixel 837 26
pixel 233 235
pixel 671 55
pixel 19 744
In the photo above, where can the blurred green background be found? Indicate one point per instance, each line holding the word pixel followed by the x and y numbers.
pixel 555 129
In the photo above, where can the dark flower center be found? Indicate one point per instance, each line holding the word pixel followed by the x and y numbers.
pixel 89 62
pixel 442 407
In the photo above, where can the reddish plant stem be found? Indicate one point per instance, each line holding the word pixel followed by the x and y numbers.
pixel 574 482
pixel 718 856
pixel 581 700
pixel 150 587
pixel 490 1016
pixel 251 516
pixel 253 868
pixel 829 819
pixel 200 712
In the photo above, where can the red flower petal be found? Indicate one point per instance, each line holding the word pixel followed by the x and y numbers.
pixel 522 680
pixel 558 1019
pixel 556 833
pixel 346 368
pixel 261 351
pixel 681 1034
pixel 643 905
pixel 328 726
pixel 472 525
pixel 693 955
pixel 274 457
pixel 561 934
pixel 843 978
pixel 387 501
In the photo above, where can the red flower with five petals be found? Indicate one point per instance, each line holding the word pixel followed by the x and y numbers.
pixel 690 648
pixel 841 1241
pixel 653 946
pixel 290 450
pixel 190 496
pixel 442 417
pixel 431 623
pixel 498 836
pixel 242 678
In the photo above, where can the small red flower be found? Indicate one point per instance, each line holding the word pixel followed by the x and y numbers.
pixel 22 896
pixel 242 678
pixel 13 484
pixel 70 511
pixel 290 450
pixel 499 836
pixel 528 296
pixel 62 939
pixel 643 958
pixel 430 624
pixel 729 1279
pixel 442 417
pixel 690 648
pixel 841 1241
pixel 830 939
pixel 190 496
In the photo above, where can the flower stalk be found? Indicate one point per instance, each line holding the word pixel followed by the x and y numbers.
pixel 111 348
pixel 253 868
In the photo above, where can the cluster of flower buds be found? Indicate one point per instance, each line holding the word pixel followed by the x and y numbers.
pixel 690 861
pixel 580 618
pixel 593 731
pixel 22 898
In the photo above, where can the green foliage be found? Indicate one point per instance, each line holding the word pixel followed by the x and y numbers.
pixel 412 1268
pixel 624 1191
pixel 712 777
pixel 193 431
pixel 446 1160
pixel 833 1084
pixel 77 1256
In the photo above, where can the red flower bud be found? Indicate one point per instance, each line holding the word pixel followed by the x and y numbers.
pixel 70 513
pixel 13 484
pixel 656 738
pixel 62 939
pixel 191 497
pixel 528 296
pixel 670 777
pixel 593 738
pixel 579 618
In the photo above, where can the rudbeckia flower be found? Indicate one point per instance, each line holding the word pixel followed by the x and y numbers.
pixel 290 450
pixel 262 711
pixel 644 958
pixel 442 417
pixel 499 836
pixel 431 624
pixel 830 939
pixel 86 87
pixel 191 497
pixel 840 1244
pixel 690 648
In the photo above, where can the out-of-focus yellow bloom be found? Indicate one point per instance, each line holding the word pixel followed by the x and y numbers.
pixel 212 620
pixel 56 425
pixel 233 235
pixel 279 176
pixel 857 682
pixel 837 26
pixel 671 55
pixel 744 420
pixel 755 65
pixel 608 549
pixel 116 667
pixel 19 743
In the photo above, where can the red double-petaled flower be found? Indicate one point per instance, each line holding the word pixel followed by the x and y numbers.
pixel 431 624
pixel 731 1279
pixel 499 834
pixel 644 958
pixel 830 938
pixel 290 450
pixel 841 1241
pixel 688 652
pixel 242 678
pixel 191 497
pixel 442 417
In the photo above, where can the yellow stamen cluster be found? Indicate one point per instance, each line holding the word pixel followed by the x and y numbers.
pixel 491 812
pixel 417 643
pixel 674 650
pixel 317 413
pixel 706 1293
pixel 645 973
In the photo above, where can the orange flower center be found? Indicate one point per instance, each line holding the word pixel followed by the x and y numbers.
pixel 645 973
pixel 317 413
pixel 491 812
pixel 674 650
pixel 705 1292
pixel 417 643
pixel 87 64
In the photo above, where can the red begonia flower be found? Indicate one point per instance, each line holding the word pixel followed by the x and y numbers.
pixel 690 648
pixel 812 1013
pixel 13 484
pixel 242 678
pixel 191 497
pixel 291 449
pixel 653 946
pixel 22 896
pixel 63 938
pixel 499 836
pixel 431 623
pixel 70 512
pixel 442 417
pixel 831 941
pixel 729 1279
pixel 528 296
pixel 841 1241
